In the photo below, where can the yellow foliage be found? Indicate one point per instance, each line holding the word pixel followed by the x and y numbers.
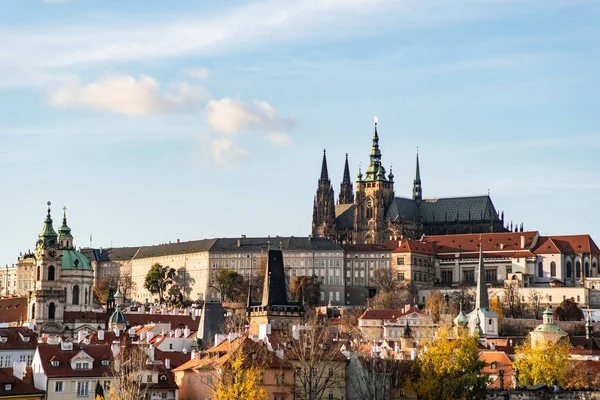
pixel 449 368
pixel 547 363
pixel 497 308
pixel 240 381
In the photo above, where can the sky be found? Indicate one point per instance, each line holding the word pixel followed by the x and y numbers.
pixel 162 120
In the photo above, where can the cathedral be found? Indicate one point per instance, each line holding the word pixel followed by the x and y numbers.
pixel 374 214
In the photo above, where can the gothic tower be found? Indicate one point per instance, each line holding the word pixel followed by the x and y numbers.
pixel 346 192
pixel 374 194
pixel 323 223
pixel 417 190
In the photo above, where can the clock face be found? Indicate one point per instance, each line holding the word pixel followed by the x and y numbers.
pixel 370 203
pixel 52 253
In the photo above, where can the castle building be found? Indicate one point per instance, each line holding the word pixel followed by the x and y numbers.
pixel 375 214
pixel 63 279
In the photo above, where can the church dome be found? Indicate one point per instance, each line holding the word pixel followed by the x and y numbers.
pixel 119 295
pixel 118 318
pixel 74 260
pixel 461 319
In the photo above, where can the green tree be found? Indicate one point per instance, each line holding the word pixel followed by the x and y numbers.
pixel 231 285
pixel 546 363
pixel 449 369
pixel 158 279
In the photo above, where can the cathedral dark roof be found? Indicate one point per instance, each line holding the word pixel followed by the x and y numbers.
pixel 403 208
pixel 344 216
pixel 474 208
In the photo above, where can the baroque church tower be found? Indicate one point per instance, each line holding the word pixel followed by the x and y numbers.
pixel 323 223
pixel 374 194
pixel 63 278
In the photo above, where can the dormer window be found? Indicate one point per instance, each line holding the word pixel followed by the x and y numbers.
pixel 54 363
pixel 82 365
pixel 105 363
pixel 3 339
pixel 8 387
pixel 163 378
pixel 493 366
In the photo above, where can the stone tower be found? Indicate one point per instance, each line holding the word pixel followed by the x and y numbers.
pixel 346 195
pixel 323 223
pixel 374 194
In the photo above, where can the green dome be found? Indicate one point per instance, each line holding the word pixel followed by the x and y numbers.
pixel 74 260
pixel 118 318
pixel 119 294
pixel 461 319
pixel 549 328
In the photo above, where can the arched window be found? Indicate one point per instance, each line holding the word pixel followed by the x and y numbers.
pixel 33 311
pixel 540 269
pixel 587 269
pixel 51 273
pixel 569 269
pixel 51 311
pixel 38 273
pixel 578 269
pixel 76 295
pixel 85 298
pixel 553 269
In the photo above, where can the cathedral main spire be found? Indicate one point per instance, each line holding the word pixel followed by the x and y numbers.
pixel 375 172
pixel 346 191
pixel 324 172
pixel 417 189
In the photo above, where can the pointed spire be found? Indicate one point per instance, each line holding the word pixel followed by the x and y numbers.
pixel 324 172
pixel 346 191
pixel 375 171
pixel 482 300
pixel 48 236
pixel 391 175
pixel 417 189
pixel 65 238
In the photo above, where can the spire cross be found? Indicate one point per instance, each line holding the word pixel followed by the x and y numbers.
pixel 49 204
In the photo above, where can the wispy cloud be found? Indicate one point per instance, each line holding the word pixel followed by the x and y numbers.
pixel 224 151
pixel 125 94
pixel 232 116
pixel 278 138
pixel 198 73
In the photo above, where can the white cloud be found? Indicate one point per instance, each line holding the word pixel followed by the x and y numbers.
pixel 125 94
pixel 226 152
pixel 232 116
pixel 198 73
pixel 278 138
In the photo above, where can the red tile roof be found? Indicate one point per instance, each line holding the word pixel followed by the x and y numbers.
pixel 413 246
pixel 567 244
pixel 498 242
pixel 13 309
pixel 388 314
pixel 176 321
pixel 19 387
pixel 14 338
pixel 98 352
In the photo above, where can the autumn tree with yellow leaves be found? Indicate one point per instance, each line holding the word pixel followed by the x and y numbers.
pixel 546 363
pixel 240 379
pixel 448 368
pixel 496 307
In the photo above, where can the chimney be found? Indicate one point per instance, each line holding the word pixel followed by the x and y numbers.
pixel 167 363
pixel 151 352
pixel 522 241
pixel 501 246
pixel 493 345
pixel 177 240
pixel 186 332
pixel 100 334
pixel 185 350
pixel 194 354
pixel 80 336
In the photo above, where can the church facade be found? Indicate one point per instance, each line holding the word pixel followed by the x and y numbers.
pixel 371 213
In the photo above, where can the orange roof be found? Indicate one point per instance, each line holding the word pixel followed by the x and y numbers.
pixel 13 309
pixel 500 362
pixel 414 246
pixel 491 242
pixel 567 244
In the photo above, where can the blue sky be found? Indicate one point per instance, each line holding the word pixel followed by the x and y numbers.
pixel 160 120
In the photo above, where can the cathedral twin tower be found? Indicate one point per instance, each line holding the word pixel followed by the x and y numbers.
pixel 375 215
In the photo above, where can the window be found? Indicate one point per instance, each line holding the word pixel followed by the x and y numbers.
pixel 330 371
pixel 58 386
pixel 540 269
pixel 8 386
pixel 51 273
pixel 38 273
pixel 446 276
pixel 569 269
pixel 469 276
pixel 491 275
pixel 330 395
pixel 400 261
pixel 549 298
pixel 400 276
pixel 83 389
pixel 5 362
pixel 149 378
pixel 553 269
pixel 587 269
pixel 578 269
pixel 76 295
pixel 82 365
pixel 493 365
pixel 33 311
pixel 51 311
pixel 106 385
